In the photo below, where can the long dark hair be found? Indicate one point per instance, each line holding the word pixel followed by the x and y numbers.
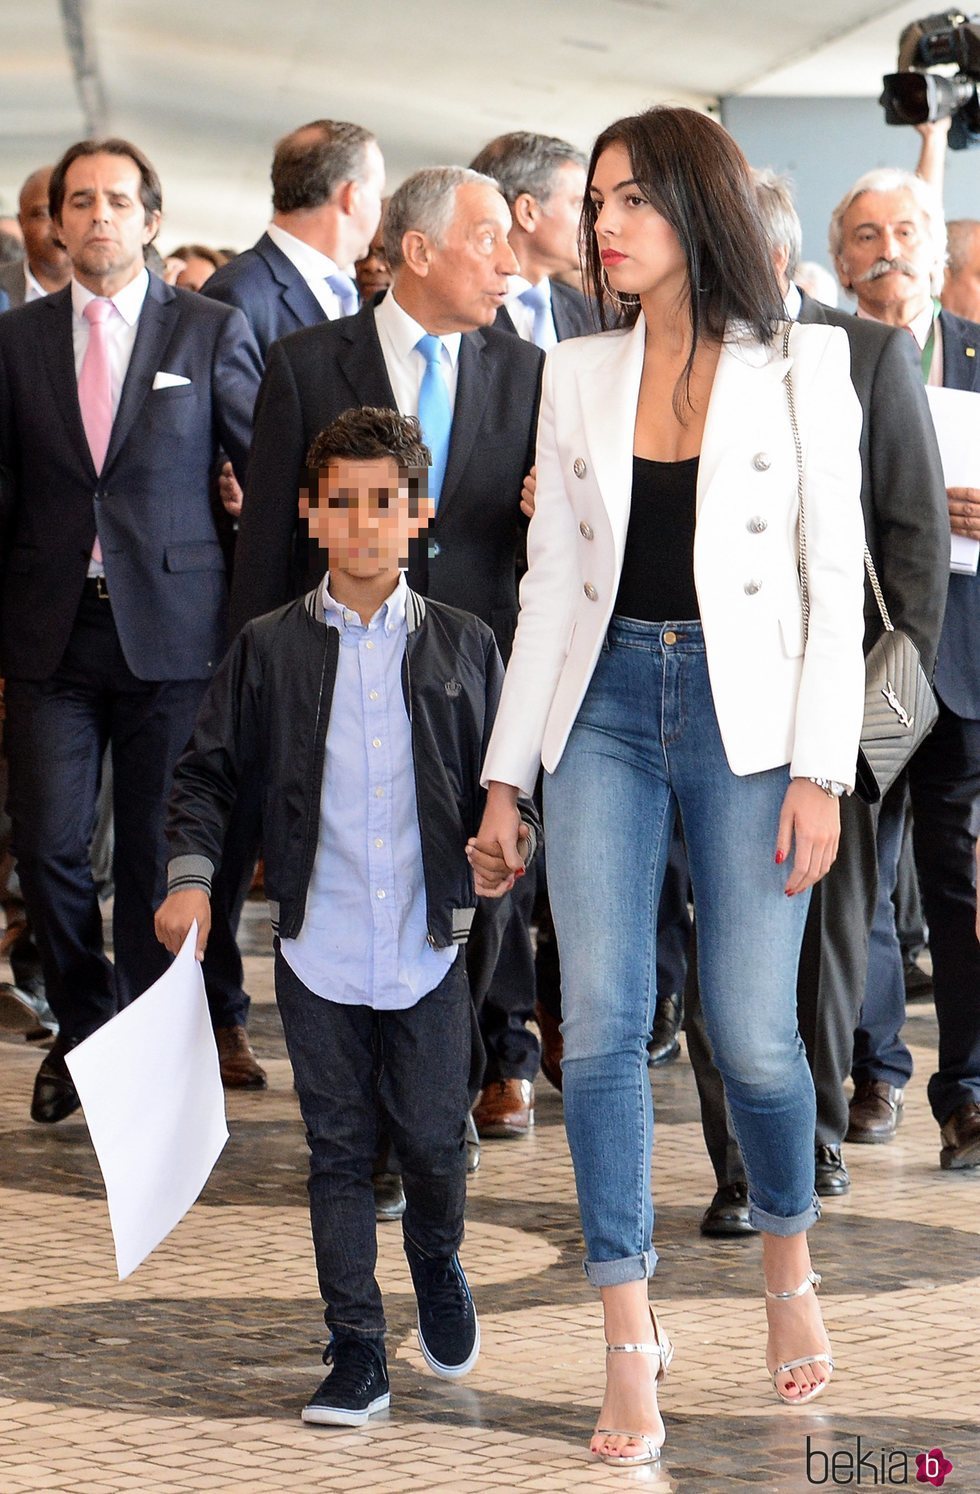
pixel 696 177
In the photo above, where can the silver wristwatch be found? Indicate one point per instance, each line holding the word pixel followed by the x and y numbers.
pixel 830 786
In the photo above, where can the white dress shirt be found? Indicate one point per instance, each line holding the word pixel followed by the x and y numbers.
pixel 314 268
pixel 122 331
pixel 34 290
pixel 398 334
pixel 523 316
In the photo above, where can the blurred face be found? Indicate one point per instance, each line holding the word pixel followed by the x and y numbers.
pixel 641 254
pixel 195 272
pixel 366 205
pixel 372 273
pixel 961 292
pixel 466 275
pixel 556 231
pixel 103 224
pixel 37 228
pixel 887 254
pixel 361 516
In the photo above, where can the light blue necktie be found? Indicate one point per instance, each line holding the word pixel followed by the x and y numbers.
pixel 345 290
pixel 435 411
pixel 543 333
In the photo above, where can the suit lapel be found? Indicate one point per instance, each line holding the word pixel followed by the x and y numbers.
pixel 961 353
pixel 473 381
pixel 295 292
pixel 504 321
pixel 739 407
pixel 608 394
pixel 363 362
pixel 154 330
pixel 59 354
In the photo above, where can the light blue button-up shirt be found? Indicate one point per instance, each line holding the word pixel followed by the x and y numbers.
pixel 364 936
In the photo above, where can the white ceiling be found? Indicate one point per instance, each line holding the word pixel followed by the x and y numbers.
pixel 206 86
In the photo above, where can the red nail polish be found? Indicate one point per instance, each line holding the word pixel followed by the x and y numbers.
pixel 780 857
pixel 788 893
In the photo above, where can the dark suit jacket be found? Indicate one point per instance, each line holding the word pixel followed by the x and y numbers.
pixel 574 314
pixel 270 290
pixel 903 495
pixel 958 665
pixel 314 376
pixel 164 565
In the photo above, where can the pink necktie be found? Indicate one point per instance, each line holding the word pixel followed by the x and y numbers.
pixel 95 388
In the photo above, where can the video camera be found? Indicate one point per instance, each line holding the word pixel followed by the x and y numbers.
pixel 916 94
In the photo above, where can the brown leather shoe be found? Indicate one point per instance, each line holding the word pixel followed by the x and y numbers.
pixel 238 1064
pixel 875 1111
pixel 552 1045
pixel 961 1137
pixel 505 1109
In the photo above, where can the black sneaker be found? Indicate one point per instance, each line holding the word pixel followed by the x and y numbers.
pixel 355 1388
pixel 449 1331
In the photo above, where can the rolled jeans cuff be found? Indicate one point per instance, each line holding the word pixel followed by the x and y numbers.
pixel 616 1273
pixel 774 1224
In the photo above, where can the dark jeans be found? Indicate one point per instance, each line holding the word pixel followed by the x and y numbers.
pixel 354 1068
pixel 879 1050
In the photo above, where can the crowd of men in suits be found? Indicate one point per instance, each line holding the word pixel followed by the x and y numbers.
pixel 152 451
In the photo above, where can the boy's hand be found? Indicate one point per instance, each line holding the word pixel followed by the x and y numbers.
pixel 492 876
pixel 175 916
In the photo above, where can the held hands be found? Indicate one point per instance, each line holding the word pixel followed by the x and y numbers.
pixel 229 491
pixel 964 511
pixel 528 490
pixel 809 818
pixel 494 853
pixel 175 916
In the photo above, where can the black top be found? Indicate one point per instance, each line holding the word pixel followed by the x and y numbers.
pixel 657 581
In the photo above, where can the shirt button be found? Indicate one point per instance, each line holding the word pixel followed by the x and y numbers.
pixel 585 530
pixel 369 644
pixel 372 695
pixel 590 592
pixel 751 587
pixel 379 843
pixel 379 793
pixel 376 742
pixel 762 461
pixel 380 894
pixel 579 467
pixel 757 525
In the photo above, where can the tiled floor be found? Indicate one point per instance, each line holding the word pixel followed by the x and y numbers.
pixel 189 1375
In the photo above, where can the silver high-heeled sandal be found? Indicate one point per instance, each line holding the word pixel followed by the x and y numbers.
pixel 664 1351
pixel 812 1282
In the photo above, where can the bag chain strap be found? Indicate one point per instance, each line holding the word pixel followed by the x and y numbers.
pixel 869 564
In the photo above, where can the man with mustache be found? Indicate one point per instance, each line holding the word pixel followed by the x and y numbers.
pixel 888 240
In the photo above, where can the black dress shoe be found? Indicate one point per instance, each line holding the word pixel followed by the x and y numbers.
pixel 667 1019
pixel 961 1138
pixel 832 1177
pixel 727 1215
pixel 389 1196
pixel 55 1096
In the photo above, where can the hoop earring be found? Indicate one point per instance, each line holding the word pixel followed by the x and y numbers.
pixel 626 303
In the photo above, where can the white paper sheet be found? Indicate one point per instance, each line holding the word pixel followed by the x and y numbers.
pixel 956 416
pixel 151 1091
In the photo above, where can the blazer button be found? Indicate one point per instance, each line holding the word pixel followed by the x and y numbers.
pixel 762 461
pixel 757 525
pixel 579 467
pixel 585 530
pixel 590 592
pixel 751 587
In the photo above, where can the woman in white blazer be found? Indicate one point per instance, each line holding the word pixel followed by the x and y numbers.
pixel 662 666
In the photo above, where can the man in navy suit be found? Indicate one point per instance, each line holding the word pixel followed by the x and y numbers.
pixel 889 243
pixel 543 181
pixel 115 397
pixel 328 178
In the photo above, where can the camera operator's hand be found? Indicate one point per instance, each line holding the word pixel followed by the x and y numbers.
pixel 932 156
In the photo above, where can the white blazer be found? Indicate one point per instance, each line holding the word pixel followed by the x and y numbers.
pixel 774 705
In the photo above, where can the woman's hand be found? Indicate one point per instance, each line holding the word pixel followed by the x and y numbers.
pixel 493 853
pixel 810 822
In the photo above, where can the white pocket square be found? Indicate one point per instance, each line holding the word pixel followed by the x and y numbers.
pixel 168 381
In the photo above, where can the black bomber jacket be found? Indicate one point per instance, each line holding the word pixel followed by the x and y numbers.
pixel 263 722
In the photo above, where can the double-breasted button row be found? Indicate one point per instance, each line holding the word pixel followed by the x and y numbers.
pixel 579 467
pixel 751 587
pixel 585 530
pixel 590 592
pixel 762 461
pixel 757 524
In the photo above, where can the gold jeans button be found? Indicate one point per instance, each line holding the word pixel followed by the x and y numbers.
pixel 670 636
